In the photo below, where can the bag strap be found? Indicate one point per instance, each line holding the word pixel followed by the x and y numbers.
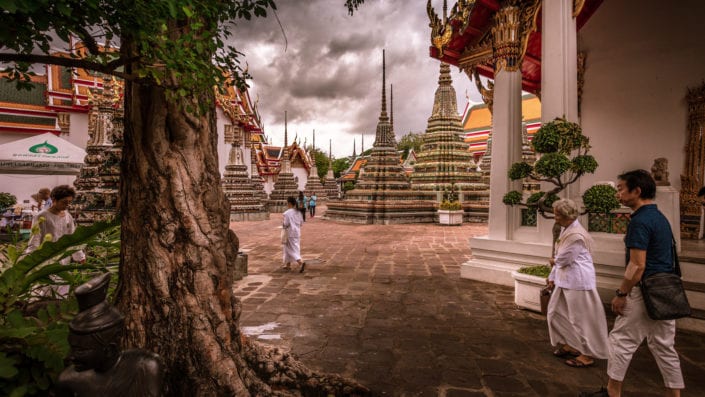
pixel 676 262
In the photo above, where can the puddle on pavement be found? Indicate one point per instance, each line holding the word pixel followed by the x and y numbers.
pixel 261 331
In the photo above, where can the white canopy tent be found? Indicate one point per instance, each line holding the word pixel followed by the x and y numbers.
pixel 44 154
pixel 45 160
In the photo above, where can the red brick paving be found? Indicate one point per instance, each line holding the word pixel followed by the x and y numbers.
pixel 385 305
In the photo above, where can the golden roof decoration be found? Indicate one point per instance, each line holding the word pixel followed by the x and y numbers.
pixel 442 30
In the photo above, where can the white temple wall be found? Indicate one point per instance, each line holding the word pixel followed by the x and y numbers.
pixel 302 175
pixel 641 58
pixel 78 131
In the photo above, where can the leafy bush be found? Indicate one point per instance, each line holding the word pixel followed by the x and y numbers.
pixel 560 136
pixel 552 165
pixel 520 171
pixel 538 270
pixel 33 319
pixel 512 198
pixel 7 200
pixel 600 199
pixel 450 205
pixel 585 164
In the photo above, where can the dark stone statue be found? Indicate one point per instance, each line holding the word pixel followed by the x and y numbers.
pixel 660 171
pixel 98 367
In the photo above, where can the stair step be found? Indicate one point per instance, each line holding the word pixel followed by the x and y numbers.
pixel 693 286
pixel 697 313
pixel 692 259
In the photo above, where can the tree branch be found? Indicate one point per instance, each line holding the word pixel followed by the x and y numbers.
pixel 87 40
pixel 108 68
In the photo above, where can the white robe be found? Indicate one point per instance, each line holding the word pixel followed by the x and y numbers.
pixel 575 313
pixel 57 226
pixel 292 224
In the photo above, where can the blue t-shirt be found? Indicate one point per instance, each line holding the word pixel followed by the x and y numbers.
pixel 312 203
pixel 649 230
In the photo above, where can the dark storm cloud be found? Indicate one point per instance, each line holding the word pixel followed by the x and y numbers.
pixel 326 68
pixel 355 42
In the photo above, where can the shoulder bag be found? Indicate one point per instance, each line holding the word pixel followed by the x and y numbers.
pixel 545 297
pixel 664 295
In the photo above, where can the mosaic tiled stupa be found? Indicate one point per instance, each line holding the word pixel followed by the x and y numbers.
pixel 245 203
pixel 255 178
pixel 444 163
pixel 330 184
pixel 382 194
pixel 313 183
pixel 286 185
pixel 98 183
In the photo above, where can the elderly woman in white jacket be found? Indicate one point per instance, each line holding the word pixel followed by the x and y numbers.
pixel 576 317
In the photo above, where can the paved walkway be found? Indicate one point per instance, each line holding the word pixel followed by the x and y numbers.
pixel 385 305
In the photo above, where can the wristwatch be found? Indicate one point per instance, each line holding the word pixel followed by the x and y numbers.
pixel 620 294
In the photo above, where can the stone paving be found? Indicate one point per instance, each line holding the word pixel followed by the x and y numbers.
pixel 385 305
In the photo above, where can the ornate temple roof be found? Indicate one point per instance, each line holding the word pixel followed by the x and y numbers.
pixel 477 123
pixel 269 158
pixel 350 175
pixel 462 38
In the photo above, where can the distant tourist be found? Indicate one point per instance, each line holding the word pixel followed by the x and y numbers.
pixel 312 205
pixel 42 198
pixel 576 318
pixel 55 221
pixel 292 225
pixel 302 205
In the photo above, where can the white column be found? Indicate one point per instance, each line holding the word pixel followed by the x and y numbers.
pixel 506 150
pixel 559 61
pixel 559 79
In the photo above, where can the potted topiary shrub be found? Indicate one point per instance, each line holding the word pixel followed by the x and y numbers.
pixel 564 158
pixel 528 282
pixel 450 211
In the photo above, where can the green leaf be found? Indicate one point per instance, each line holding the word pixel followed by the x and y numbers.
pixel 187 11
pixel 173 12
pixel 7 366
pixel 17 333
pixel 19 391
pixel 51 249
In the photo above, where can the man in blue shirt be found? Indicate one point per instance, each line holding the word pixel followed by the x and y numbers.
pixel 648 250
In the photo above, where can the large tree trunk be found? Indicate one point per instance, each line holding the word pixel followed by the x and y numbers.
pixel 176 276
pixel 177 259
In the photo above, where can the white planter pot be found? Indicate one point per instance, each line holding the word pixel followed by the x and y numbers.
pixel 527 290
pixel 448 217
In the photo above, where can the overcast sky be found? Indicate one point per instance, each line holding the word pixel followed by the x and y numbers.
pixel 329 74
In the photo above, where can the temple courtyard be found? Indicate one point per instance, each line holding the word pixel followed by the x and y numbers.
pixel 385 305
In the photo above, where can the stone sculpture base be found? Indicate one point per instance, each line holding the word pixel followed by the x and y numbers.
pixel 240 266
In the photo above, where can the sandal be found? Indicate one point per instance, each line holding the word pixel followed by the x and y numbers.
pixel 303 266
pixel 562 352
pixel 575 363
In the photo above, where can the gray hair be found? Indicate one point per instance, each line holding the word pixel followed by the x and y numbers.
pixel 567 208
